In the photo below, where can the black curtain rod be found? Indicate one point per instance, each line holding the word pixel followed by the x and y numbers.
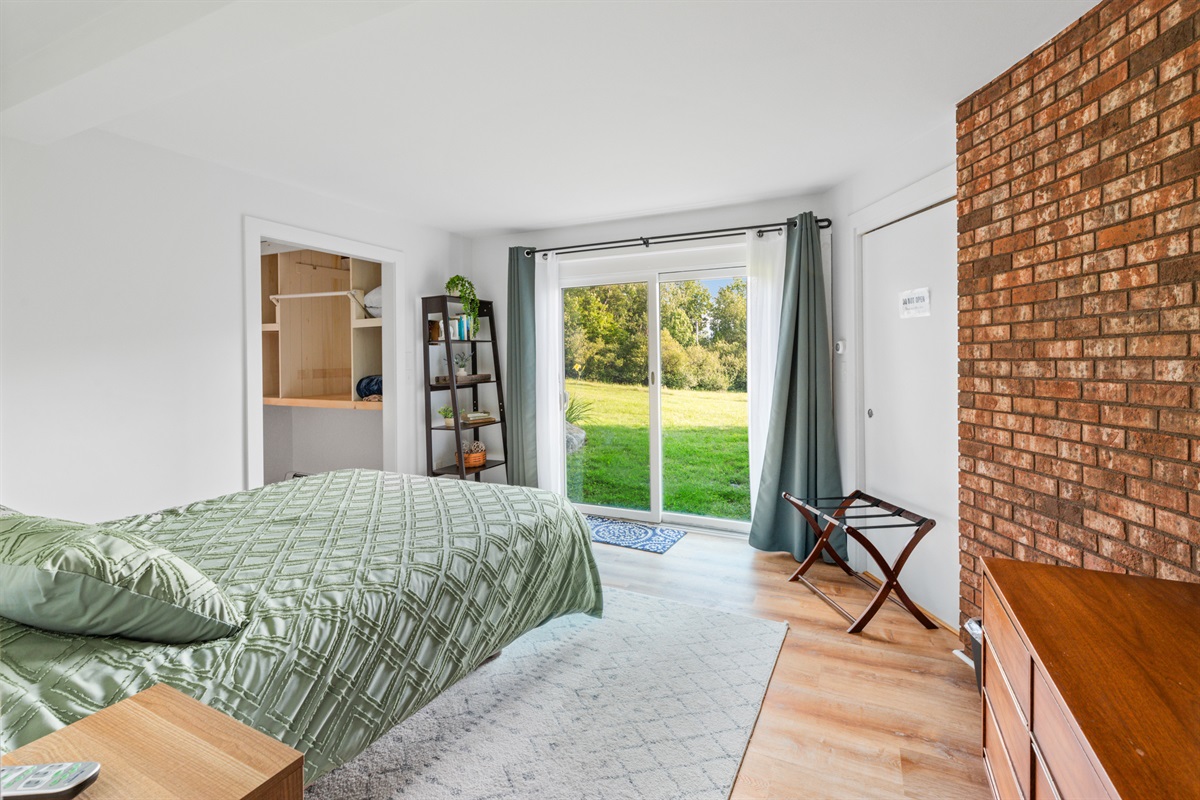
pixel 646 241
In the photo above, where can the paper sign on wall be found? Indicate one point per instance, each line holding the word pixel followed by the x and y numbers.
pixel 914 303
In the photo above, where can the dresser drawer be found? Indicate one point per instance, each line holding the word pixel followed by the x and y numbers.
pixel 1043 787
pixel 1014 730
pixel 995 759
pixel 1007 648
pixel 1066 763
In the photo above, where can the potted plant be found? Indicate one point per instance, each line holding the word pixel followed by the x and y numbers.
pixel 462 360
pixel 465 289
pixel 448 415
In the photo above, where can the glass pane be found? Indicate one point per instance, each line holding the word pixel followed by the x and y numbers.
pixel 608 405
pixel 705 415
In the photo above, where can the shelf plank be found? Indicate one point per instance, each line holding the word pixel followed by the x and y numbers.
pixel 466 426
pixel 441 387
pixel 270 326
pixel 343 401
pixel 441 342
pixel 367 322
pixel 452 469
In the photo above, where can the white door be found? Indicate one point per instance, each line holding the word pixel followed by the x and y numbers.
pixel 910 397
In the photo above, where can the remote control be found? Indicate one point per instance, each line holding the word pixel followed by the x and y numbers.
pixel 47 781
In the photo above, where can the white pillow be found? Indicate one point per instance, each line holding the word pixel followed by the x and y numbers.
pixel 374 302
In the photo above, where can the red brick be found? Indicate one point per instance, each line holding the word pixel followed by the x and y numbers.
pixel 1160 345
pixel 1126 278
pixel 1157 495
pixel 1159 394
pixel 1162 297
pixel 1157 444
pixel 1108 525
pixel 1123 234
pixel 1156 249
pixel 1104 480
pixel 1160 545
pixel 1123 461
pixel 1164 147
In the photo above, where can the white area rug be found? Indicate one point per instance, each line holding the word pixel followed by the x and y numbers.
pixel 654 702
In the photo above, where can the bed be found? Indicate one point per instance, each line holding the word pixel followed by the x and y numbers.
pixel 366 594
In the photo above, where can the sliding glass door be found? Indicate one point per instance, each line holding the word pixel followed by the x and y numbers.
pixel 606 363
pixel 655 397
pixel 705 422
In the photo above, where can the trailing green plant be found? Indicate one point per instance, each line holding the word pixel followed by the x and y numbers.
pixel 578 410
pixel 465 289
pixel 446 412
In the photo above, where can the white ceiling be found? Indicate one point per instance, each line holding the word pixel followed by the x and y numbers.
pixel 484 116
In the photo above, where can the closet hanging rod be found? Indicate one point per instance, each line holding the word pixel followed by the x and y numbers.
pixel 646 241
pixel 275 298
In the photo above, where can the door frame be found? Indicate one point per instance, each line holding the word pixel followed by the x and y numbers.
pixel 652 276
pixel 397 317
pixel 912 199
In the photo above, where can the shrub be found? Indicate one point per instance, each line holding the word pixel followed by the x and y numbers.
pixel 707 369
pixel 676 366
pixel 578 410
pixel 733 362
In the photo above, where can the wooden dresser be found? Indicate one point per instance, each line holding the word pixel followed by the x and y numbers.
pixel 1091 684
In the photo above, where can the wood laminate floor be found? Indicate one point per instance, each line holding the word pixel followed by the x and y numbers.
pixel 890 712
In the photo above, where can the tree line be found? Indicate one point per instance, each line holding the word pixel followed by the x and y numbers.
pixel 703 337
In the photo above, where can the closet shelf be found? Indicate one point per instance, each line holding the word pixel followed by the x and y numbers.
pixel 367 322
pixel 324 401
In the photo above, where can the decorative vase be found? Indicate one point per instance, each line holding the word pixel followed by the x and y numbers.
pixel 462 372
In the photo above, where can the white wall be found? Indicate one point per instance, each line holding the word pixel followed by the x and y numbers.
pixel 121 333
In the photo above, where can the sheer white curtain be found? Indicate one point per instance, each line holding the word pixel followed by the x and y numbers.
pixel 764 286
pixel 551 451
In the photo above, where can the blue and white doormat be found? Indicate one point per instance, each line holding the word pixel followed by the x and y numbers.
pixel 639 536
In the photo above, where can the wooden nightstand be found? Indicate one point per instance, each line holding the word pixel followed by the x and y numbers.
pixel 161 744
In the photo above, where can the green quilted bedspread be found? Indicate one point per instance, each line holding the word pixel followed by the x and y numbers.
pixel 366 594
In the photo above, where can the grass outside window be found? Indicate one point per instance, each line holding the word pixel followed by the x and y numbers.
pixel 706 460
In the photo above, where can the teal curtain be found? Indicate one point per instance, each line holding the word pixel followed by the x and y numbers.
pixel 801 454
pixel 521 374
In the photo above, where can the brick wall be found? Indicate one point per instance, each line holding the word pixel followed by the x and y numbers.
pixel 1079 277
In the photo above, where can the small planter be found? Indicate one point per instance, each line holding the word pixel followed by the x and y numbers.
pixel 472 460
pixel 449 421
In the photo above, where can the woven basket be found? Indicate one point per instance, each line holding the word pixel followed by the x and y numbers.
pixel 472 460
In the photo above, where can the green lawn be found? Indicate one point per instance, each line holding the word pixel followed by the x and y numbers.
pixel 706 459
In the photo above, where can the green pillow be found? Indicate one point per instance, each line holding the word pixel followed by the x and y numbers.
pixel 76 578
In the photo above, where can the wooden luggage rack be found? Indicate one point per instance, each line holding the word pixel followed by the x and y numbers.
pixel 860 505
